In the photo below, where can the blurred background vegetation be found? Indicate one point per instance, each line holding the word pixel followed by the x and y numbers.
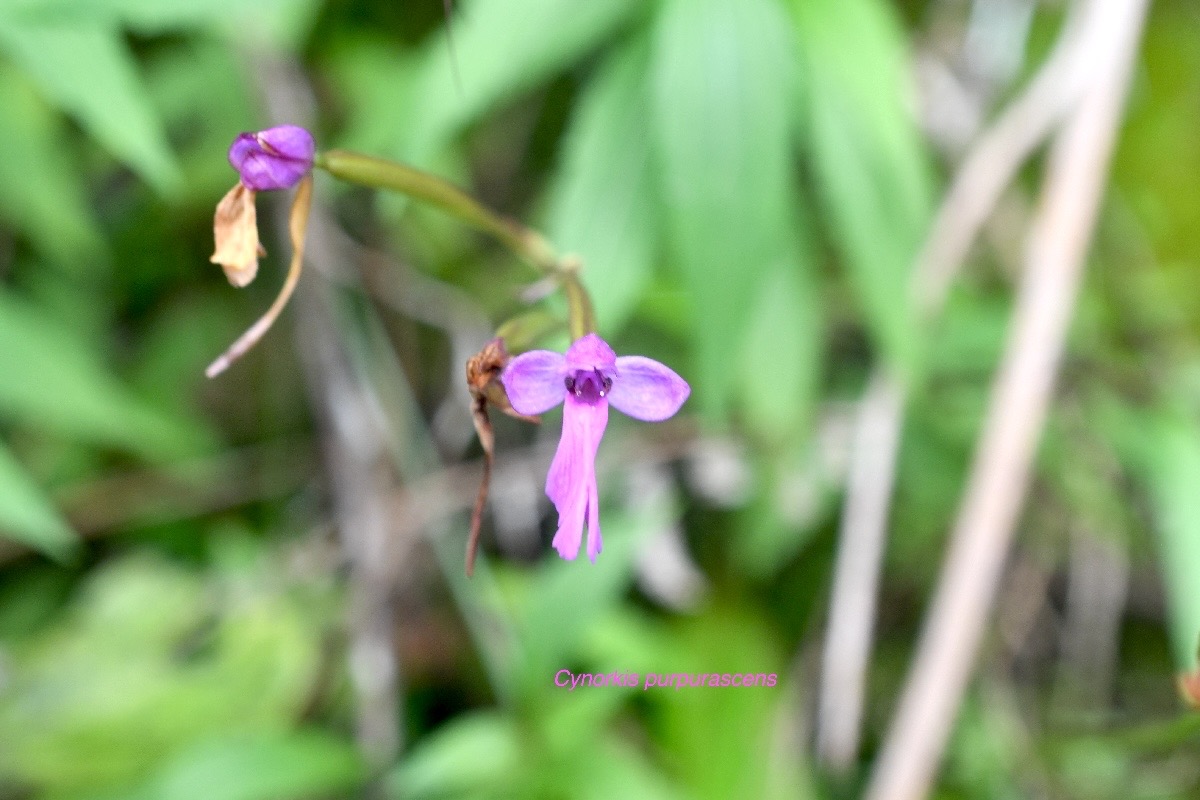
pixel 253 587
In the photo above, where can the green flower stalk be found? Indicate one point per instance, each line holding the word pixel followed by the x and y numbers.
pixel 379 173
pixel 284 156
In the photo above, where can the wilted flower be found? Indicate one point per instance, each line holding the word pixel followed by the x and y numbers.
pixel 276 158
pixel 588 378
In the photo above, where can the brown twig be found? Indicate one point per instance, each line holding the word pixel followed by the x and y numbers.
pixel 487 441
pixel 1057 246
pixel 987 170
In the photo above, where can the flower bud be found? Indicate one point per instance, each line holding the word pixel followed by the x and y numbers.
pixel 276 158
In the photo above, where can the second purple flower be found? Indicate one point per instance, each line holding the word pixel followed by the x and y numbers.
pixel 587 379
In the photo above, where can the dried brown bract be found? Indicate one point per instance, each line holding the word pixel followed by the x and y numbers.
pixel 483 380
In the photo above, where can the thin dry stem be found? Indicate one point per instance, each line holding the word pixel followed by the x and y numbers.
pixel 1019 403
pixel 992 163
pixel 487 439
pixel 847 648
pixel 978 185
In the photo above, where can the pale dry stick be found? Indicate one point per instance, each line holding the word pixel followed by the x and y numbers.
pixel 987 170
pixel 356 459
pixel 851 623
pixel 1097 591
pixel 1058 243
pixel 354 452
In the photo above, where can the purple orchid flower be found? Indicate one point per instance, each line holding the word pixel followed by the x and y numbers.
pixel 276 158
pixel 587 378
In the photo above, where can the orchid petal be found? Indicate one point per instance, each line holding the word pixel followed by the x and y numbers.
pixel 534 381
pixel 647 390
pixel 243 146
pixel 571 482
pixel 288 141
pixel 590 352
pixel 276 158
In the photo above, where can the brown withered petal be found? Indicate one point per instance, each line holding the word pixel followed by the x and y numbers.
pixel 486 365
pixel 483 377
pixel 235 229
pixel 483 380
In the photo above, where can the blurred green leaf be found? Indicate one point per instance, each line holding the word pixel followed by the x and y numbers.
pixel 149 659
pixel 627 640
pixel 180 81
pixel 264 766
pixel 375 79
pixel 500 50
pixel 618 769
pixel 984 756
pixel 1173 470
pixel 29 599
pixel 157 16
pixel 870 168
pixel 472 756
pixel 571 718
pixel 721 735
pixel 57 382
pixel 282 23
pixel 1096 769
pixel 723 81
pixel 969 337
pixel 781 357
pixel 793 494
pixel 603 207
pixel 1157 149
pixel 85 68
pixel 41 188
pixel 27 515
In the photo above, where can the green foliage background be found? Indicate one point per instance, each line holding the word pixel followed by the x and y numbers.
pixel 748 185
